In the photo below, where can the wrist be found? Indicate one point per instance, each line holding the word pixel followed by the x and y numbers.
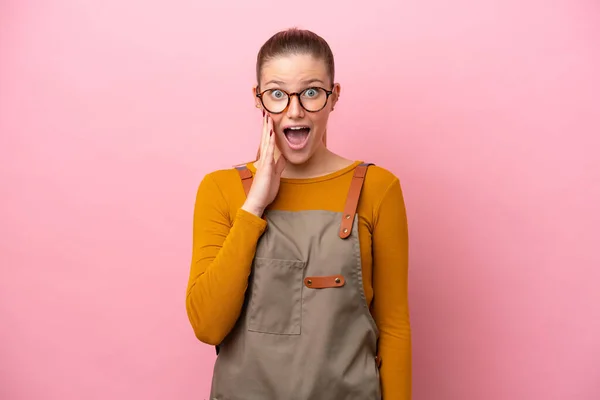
pixel 253 209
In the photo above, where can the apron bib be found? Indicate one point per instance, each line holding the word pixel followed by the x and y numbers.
pixel 305 331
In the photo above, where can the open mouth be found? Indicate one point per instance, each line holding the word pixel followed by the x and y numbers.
pixel 297 136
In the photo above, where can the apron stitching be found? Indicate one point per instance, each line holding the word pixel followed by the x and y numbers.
pixel 359 277
pixel 353 250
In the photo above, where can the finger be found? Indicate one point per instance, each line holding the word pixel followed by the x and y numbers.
pixel 270 138
pixel 270 149
pixel 263 143
pixel 265 136
pixel 277 152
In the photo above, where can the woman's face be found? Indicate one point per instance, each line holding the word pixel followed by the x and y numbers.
pixel 299 133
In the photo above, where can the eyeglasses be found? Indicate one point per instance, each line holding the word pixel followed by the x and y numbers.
pixel 312 99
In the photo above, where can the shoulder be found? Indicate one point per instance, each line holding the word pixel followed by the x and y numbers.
pixel 223 179
pixel 379 179
pixel 222 183
pixel 381 186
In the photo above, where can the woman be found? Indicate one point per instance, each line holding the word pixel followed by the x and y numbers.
pixel 300 259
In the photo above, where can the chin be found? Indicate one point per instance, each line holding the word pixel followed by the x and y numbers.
pixel 296 158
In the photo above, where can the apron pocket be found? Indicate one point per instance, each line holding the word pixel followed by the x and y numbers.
pixel 276 296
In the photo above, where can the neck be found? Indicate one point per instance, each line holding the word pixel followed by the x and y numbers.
pixel 322 162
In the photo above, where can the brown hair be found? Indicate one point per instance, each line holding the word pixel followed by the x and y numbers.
pixel 295 41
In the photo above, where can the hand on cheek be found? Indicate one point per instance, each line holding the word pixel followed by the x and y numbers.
pixel 277 151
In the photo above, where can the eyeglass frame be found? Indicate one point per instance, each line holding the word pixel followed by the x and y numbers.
pixel 297 94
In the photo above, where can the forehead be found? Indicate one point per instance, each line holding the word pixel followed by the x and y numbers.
pixel 293 70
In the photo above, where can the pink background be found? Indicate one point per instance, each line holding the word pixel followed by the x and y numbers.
pixel 111 112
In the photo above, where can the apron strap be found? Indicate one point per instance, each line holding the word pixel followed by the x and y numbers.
pixel 246 176
pixel 352 200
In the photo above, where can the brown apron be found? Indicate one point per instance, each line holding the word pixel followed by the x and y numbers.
pixel 305 331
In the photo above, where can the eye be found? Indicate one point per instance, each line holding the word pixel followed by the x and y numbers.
pixel 311 92
pixel 277 94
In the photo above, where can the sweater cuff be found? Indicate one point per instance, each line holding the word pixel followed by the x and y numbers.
pixel 246 218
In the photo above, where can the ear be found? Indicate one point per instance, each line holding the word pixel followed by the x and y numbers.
pixel 257 102
pixel 335 96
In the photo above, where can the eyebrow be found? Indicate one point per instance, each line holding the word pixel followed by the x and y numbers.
pixel 306 82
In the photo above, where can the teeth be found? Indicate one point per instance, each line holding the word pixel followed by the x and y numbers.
pixel 297 127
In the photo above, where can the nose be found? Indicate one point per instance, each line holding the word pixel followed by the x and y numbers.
pixel 295 110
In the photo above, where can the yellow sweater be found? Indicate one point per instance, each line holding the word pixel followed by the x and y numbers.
pixel 225 239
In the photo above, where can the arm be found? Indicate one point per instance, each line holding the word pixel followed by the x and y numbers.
pixel 221 263
pixel 390 288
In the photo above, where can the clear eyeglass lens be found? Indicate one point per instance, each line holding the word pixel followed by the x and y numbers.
pixel 313 99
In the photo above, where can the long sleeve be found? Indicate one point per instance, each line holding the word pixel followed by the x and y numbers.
pixel 221 263
pixel 390 288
